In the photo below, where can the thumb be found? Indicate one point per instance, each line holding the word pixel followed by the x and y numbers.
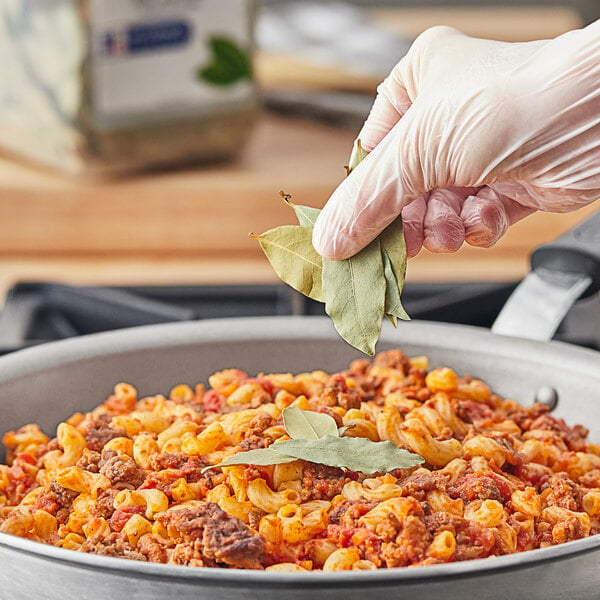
pixel 373 195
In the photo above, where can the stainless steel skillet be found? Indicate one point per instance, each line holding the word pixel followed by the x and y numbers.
pixel 48 383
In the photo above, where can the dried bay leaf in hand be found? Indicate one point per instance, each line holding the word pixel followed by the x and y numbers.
pixel 358 291
pixel 354 291
pixel 394 245
pixel 291 253
pixel 357 156
pixel 393 302
pixel 307 215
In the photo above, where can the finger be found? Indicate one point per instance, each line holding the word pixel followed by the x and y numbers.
pixel 372 196
pixel 488 214
pixel 413 216
pixel 443 228
pixel 390 105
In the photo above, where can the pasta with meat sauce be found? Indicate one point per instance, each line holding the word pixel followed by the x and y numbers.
pixel 130 479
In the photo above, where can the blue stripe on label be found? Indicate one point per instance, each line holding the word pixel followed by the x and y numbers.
pixel 145 37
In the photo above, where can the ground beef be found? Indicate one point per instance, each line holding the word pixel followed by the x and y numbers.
pixel 442 521
pixel 153 550
pixel 563 492
pixel 476 487
pixel 347 512
pixel 190 554
pixel 224 539
pixel 115 544
pixel 122 471
pixel 418 484
pixel 190 466
pixel 337 393
pixel 393 359
pixel 254 437
pixel 89 461
pixel 533 473
pixel 410 545
pixel 573 437
pixel 97 431
pixel 105 503
pixel 56 500
pixel 473 540
pixel 470 411
pixel 320 482
pixel 591 479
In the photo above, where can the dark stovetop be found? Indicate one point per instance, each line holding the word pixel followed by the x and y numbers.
pixel 41 312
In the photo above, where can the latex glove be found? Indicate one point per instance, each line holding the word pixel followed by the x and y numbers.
pixel 468 136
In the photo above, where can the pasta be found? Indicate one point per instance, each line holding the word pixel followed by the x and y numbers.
pixel 135 478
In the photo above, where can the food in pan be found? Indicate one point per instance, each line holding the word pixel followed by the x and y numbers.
pixel 148 478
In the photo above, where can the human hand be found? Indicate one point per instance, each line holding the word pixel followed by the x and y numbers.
pixel 466 137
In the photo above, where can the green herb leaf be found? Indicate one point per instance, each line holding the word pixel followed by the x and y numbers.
pixel 307 215
pixel 394 248
pixel 358 291
pixel 316 438
pixel 393 302
pixel 228 64
pixel 354 453
pixel 291 253
pixel 354 291
pixel 308 424
pixel 260 456
pixel 357 156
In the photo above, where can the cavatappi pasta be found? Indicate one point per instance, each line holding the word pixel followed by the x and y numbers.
pixel 129 480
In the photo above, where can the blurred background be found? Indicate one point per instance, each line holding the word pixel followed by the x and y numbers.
pixel 142 140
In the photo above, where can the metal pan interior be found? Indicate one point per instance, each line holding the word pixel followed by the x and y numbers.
pixel 47 383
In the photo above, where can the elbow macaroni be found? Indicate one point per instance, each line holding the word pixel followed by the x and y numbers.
pixel 498 477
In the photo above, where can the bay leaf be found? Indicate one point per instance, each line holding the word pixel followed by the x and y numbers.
pixel 354 453
pixel 358 291
pixel 354 291
pixel 260 456
pixel 306 215
pixel 291 254
pixel 393 301
pixel 308 424
pixel 393 247
pixel 357 156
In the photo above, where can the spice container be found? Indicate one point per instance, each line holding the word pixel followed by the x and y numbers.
pixel 108 86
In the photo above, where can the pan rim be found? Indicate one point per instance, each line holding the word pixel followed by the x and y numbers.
pixel 55 354
pixel 52 354
pixel 233 577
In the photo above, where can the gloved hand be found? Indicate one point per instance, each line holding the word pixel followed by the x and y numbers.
pixel 468 136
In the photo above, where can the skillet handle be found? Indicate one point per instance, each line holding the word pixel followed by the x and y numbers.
pixel 576 252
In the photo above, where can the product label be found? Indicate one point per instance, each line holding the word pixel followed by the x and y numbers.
pixel 159 59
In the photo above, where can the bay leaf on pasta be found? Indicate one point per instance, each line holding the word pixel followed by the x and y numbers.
pixel 291 253
pixel 308 424
pixel 354 453
pixel 260 456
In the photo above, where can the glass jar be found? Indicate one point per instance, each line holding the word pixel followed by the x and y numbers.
pixel 110 86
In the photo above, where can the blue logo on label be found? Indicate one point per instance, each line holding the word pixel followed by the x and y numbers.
pixel 141 38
